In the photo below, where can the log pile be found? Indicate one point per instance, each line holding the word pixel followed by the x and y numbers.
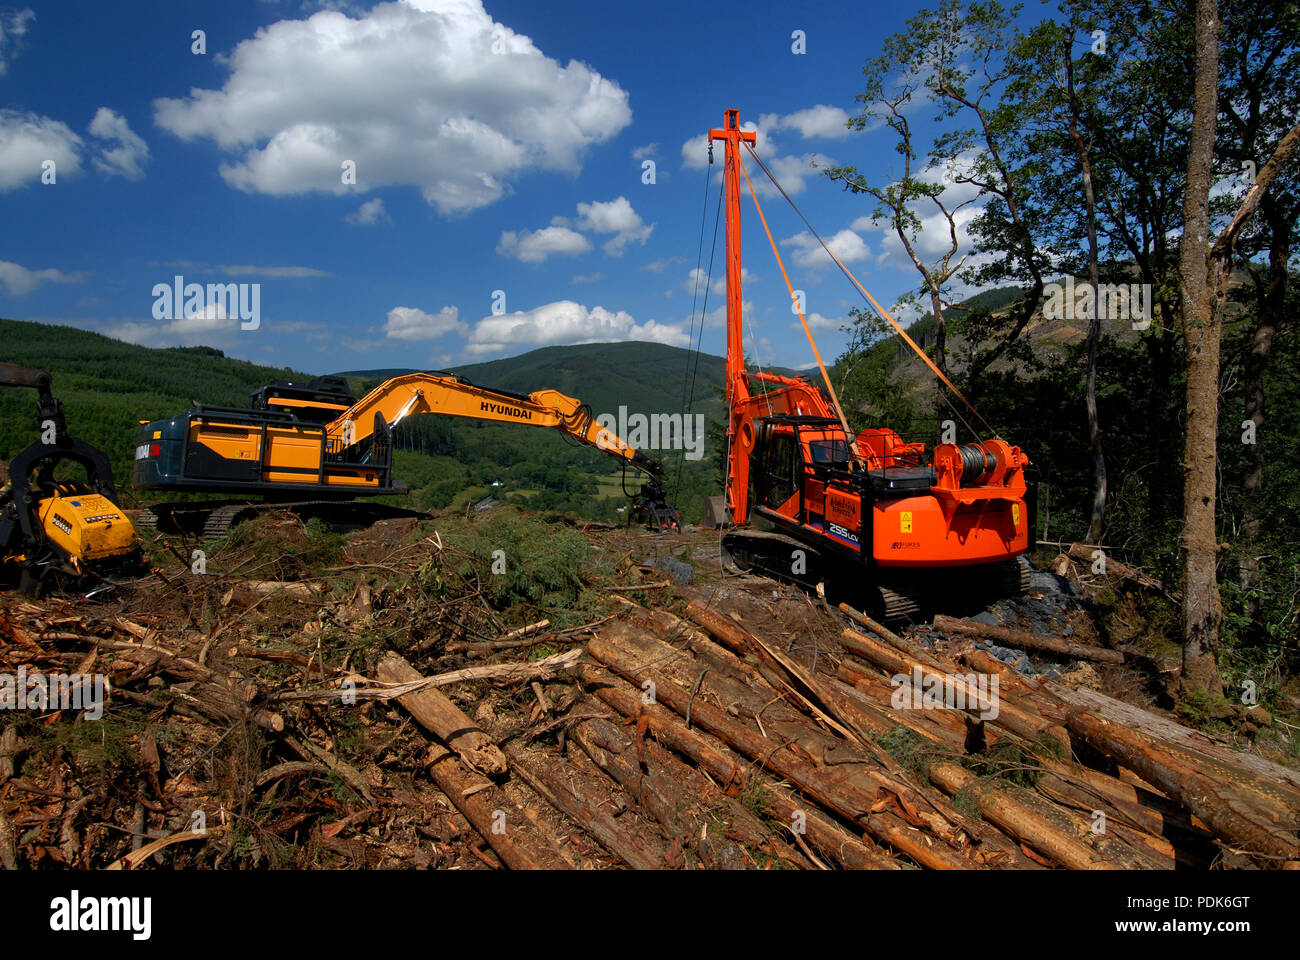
pixel 683 729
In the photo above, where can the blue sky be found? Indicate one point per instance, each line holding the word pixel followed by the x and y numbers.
pixel 498 146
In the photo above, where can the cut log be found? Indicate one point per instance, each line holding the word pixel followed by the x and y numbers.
pixel 1013 817
pixel 245 593
pixel 548 782
pixel 732 771
pixel 1231 811
pixel 1283 780
pixel 444 719
pixel 1009 716
pixel 833 787
pixel 891 638
pixel 1083 553
pixel 1023 640
pixel 515 840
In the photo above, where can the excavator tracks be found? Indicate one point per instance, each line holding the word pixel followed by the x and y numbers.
pixel 899 596
pixel 215 518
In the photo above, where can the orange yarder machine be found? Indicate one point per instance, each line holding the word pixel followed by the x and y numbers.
pixel 867 514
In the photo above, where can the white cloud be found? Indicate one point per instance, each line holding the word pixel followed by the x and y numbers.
pixel 282 273
pixel 846 245
pixel 13 27
pixel 817 322
pixel 126 157
pixel 718 316
pixel 791 171
pixel 206 326
pixel 411 323
pixel 659 266
pixel 819 121
pixel 18 280
pixel 616 217
pixel 431 93
pixel 695 281
pixel 27 141
pixel 695 151
pixel 534 246
pixel 567 322
pixel 649 150
pixel 582 278
pixel 370 213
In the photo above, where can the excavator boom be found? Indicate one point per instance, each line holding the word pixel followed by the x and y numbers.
pixel 415 393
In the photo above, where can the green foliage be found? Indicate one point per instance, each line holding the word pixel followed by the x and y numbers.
pixel 545 565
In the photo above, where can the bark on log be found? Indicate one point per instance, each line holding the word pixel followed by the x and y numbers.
pixel 891 638
pixel 1009 716
pixel 1024 640
pixel 727 768
pixel 244 593
pixel 444 719
pixel 830 787
pixel 547 781
pixel 1013 817
pixel 518 844
pixel 1284 780
pixel 1230 813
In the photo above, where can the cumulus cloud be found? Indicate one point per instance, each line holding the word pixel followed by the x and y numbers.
pixel 846 245
pixel 819 121
pixel 817 322
pixel 279 273
pixel 933 240
pixel 13 27
pixel 208 325
pixel 616 217
pixel 370 213
pixel 411 323
pixel 567 322
pixel 695 281
pixel 659 266
pixel 582 278
pixel 649 150
pixel 124 159
pixel 27 141
pixel 718 316
pixel 534 246
pixel 19 280
pixel 430 93
pixel 790 170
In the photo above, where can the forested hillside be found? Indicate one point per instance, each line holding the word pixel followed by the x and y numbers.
pixel 108 385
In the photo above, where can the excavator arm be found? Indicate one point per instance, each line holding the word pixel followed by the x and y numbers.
pixel 442 393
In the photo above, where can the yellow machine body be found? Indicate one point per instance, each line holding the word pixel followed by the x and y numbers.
pixel 87 527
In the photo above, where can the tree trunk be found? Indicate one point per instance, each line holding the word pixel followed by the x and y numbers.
pixel 1099 480
pixel 1202 611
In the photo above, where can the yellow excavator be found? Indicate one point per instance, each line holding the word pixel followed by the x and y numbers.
pixel 60 533
pixel 313 448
